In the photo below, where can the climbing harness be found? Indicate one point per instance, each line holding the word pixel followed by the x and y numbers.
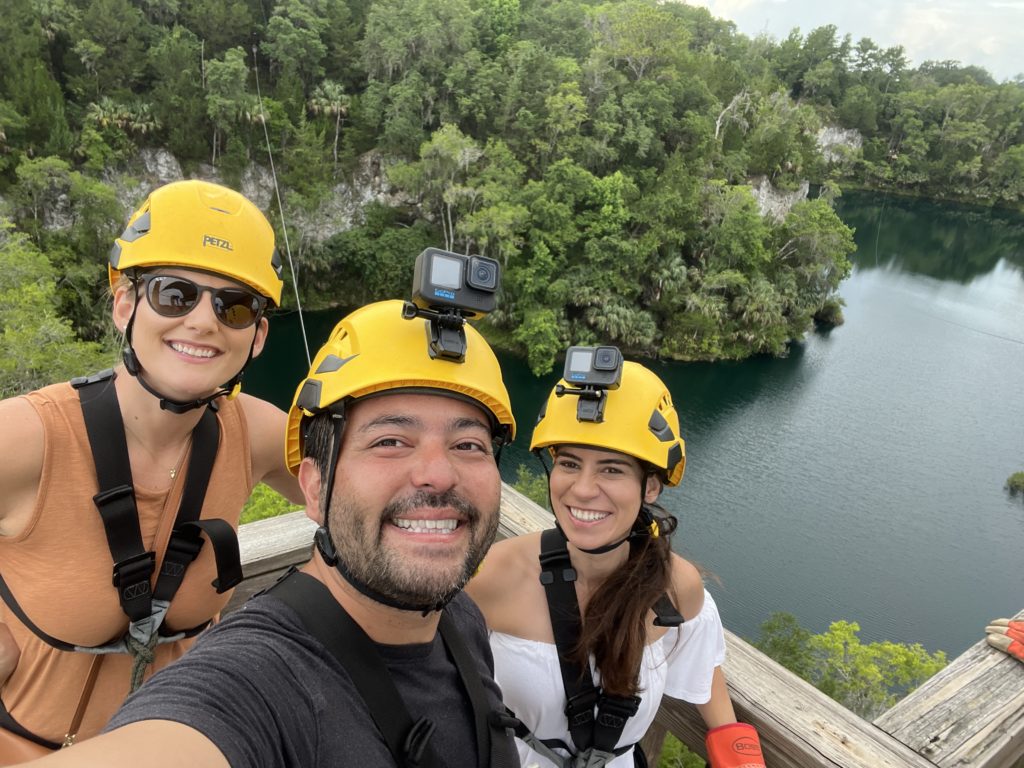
pixel 596 719
pixel 143 604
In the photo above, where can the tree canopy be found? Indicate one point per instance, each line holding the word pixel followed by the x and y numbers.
pixel 604 152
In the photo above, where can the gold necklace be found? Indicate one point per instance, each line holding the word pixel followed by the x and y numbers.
pixel 181 458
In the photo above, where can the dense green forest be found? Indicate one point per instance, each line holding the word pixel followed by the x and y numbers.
pixel 603 152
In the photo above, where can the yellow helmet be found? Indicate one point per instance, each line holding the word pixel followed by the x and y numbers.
pixel 375 349
pixel 639 420
pixel 199 225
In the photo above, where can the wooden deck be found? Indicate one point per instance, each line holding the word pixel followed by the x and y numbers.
pixel 970 714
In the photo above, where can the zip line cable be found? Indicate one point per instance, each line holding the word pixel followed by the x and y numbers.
pixel 280 206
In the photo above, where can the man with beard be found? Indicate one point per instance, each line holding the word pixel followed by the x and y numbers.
pixel 370 655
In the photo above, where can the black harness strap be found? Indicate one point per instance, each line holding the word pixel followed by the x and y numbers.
pixel 602 730
pixel 133 565
pixel 325 619
pixel 7 722
pixel 474 687
pixel 559 577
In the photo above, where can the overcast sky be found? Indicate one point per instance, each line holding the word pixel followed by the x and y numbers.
pixel 988 33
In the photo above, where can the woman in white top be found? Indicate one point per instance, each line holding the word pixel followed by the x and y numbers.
pixel 645 626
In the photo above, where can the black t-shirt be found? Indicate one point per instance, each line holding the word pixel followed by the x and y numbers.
pixel 269 695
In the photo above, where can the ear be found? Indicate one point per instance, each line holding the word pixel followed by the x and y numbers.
pixel 262 329
pixel 124 303
pixel 309 482
pixel 652 489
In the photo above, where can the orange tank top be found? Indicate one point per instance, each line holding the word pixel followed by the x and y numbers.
pixel 59 570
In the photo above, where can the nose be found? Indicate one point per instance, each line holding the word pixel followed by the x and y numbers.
pixel 202 318
pixel 433 468
pixel 585 485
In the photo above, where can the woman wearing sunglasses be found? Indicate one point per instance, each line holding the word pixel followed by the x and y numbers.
pixel 122 491
pixel 593 621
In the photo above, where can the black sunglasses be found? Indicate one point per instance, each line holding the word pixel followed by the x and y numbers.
pixel 172 296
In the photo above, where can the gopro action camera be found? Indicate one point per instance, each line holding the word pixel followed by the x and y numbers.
pixel 593 366
pixel 448 289
pixel 445 280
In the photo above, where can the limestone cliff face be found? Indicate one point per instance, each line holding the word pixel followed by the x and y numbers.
pixel 341 210
pixel 775 203
pixel 837 144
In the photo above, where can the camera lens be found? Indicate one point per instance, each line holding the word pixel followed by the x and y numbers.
pixel 482 274
pixel 606 359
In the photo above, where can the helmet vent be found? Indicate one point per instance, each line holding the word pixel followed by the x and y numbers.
pixel 675 455
pixel 309 397
pixel 332 363
pixel 137 228
pixel 660 428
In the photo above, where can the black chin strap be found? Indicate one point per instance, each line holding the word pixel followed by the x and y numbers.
pixel 132 365
pixel 325 545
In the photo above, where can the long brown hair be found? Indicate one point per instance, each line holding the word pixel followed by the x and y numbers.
pixel 614 624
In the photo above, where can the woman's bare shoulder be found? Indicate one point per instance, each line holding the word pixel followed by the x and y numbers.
pixel 21 461
pixel 508 564
pixel 687 586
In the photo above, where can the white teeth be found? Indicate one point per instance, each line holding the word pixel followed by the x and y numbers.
pixel 191 351
pixel 427 526
pixel 587 515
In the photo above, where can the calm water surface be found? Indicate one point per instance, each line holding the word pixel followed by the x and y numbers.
pixel 862 477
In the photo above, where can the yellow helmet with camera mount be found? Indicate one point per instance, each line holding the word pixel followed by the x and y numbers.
pixel 639 420
pixel 199 225
pixel 375 350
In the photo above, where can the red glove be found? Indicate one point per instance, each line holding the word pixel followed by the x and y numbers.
pixel 735 745
pixel 1008 636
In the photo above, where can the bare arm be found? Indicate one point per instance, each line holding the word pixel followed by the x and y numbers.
pixel 508 591
pixel 718 711
pixel 153 743
pixel 21 464
pixel 266 434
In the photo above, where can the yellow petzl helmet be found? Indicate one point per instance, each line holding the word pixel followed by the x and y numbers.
pixel 375 349
pixel 198 225
pixel 639 420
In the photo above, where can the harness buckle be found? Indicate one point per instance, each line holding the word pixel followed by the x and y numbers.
pixel 613 711
pixel 134 574
pixel 579 709
pixel 182 548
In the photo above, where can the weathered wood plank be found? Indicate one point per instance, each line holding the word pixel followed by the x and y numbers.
pixel 268 548
pixel 799 725
pixel 969 714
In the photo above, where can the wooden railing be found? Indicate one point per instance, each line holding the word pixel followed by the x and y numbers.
pixel 969 714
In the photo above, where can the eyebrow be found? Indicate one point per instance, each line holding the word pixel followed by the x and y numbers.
pixel 456 424
pixel 615 460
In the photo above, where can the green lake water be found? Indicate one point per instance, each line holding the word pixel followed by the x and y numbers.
pixel 862 477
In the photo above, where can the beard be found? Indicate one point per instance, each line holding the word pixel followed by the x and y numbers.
pixel 428 577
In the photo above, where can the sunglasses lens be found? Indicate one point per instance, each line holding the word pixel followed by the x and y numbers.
pixel 235 308
pixel 172 296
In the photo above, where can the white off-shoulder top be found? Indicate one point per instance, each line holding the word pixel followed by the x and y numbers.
pixel 680 665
